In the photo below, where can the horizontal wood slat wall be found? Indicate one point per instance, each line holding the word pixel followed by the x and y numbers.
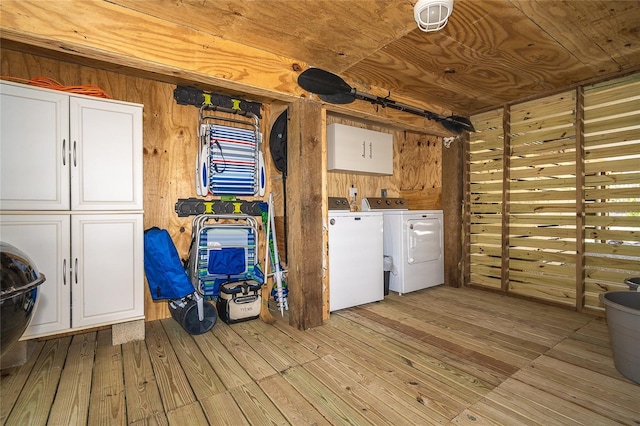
pixel 548 128
pixel 571 167
pixel 612 208
pixel 485 177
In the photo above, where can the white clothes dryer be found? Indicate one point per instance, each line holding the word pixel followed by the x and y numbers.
pixel 414 240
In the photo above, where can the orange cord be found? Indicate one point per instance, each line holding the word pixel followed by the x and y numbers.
pixel 49 83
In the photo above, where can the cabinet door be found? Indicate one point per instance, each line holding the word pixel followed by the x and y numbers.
pixel 108 275
pixel 45 239
pixel 381 156
pixel 106 155
pixel 348 154
pixel 354 149
pixel 34 149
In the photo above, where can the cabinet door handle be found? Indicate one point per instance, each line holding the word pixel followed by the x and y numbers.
pixel 64 272
pixel 363 150
pixel 75 163
pixel 75 272
pixel 64 152
pixel 370 149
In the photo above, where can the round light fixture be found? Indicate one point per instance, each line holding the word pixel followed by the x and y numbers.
pixel 432 15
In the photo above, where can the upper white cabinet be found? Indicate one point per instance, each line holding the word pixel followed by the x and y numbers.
pixel 34 149
pixel 359 150
pixel 106 151
pixel 66 152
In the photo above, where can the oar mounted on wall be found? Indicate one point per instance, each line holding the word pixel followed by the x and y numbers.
pixel 333 89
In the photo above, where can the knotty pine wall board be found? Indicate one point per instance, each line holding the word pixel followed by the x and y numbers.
pixel 170 143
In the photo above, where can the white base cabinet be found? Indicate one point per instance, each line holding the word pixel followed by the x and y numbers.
pixel 46 239
pixel 107 269
pixel 71 199
pixel 93 263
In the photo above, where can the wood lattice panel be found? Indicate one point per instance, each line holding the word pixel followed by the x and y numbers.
pixel 485 198
pixel 612 185
pixel 554 195
pixel 542 198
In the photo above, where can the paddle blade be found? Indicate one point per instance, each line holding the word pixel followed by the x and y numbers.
pixel 321 82
pixel 339 98
pixel 457 124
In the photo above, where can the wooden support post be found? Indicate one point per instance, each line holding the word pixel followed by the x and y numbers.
pixel 580 204
pixel 453 168
pixel 506 199
pixel 304 208
pixel 466 215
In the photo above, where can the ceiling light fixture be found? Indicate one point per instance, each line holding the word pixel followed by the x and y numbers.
pixel 432 15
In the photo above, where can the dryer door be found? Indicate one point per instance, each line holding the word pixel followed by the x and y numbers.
pixel 424 239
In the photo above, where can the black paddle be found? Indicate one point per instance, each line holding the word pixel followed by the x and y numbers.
pixel 333 89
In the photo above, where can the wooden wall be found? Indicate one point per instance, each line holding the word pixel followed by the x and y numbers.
pixel 553 196
pixel 170 143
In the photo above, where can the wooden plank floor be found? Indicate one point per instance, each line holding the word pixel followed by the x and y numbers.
pixel 438 356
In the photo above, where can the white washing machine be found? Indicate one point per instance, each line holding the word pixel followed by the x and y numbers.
pixel 355 256
pixel 414 240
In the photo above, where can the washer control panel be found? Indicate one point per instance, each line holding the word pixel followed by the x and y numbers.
pixel 338 203
pixel 383 203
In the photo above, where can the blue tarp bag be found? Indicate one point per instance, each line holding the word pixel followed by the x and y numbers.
pixel 227 261
pixel 166 275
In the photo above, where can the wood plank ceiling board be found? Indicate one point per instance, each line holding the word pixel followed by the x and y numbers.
pixel 329 34
pixel 603 35
pixel 491 52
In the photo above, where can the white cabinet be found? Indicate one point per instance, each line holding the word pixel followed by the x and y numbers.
pixel 107 265
pixel 106 155
pixel 62 152
pixel 71 198
pixel 46 239
pixel 359 150
pixel 92 262
pixel 34 149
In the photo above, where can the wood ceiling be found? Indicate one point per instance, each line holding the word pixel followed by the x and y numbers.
pixel 491 52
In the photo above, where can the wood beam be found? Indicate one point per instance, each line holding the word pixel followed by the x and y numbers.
pixel 506 199
pixel 304 208
pixel 580 202
pixel 111 33
pixel 466 214
pixel 402 120
pixel 452 203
